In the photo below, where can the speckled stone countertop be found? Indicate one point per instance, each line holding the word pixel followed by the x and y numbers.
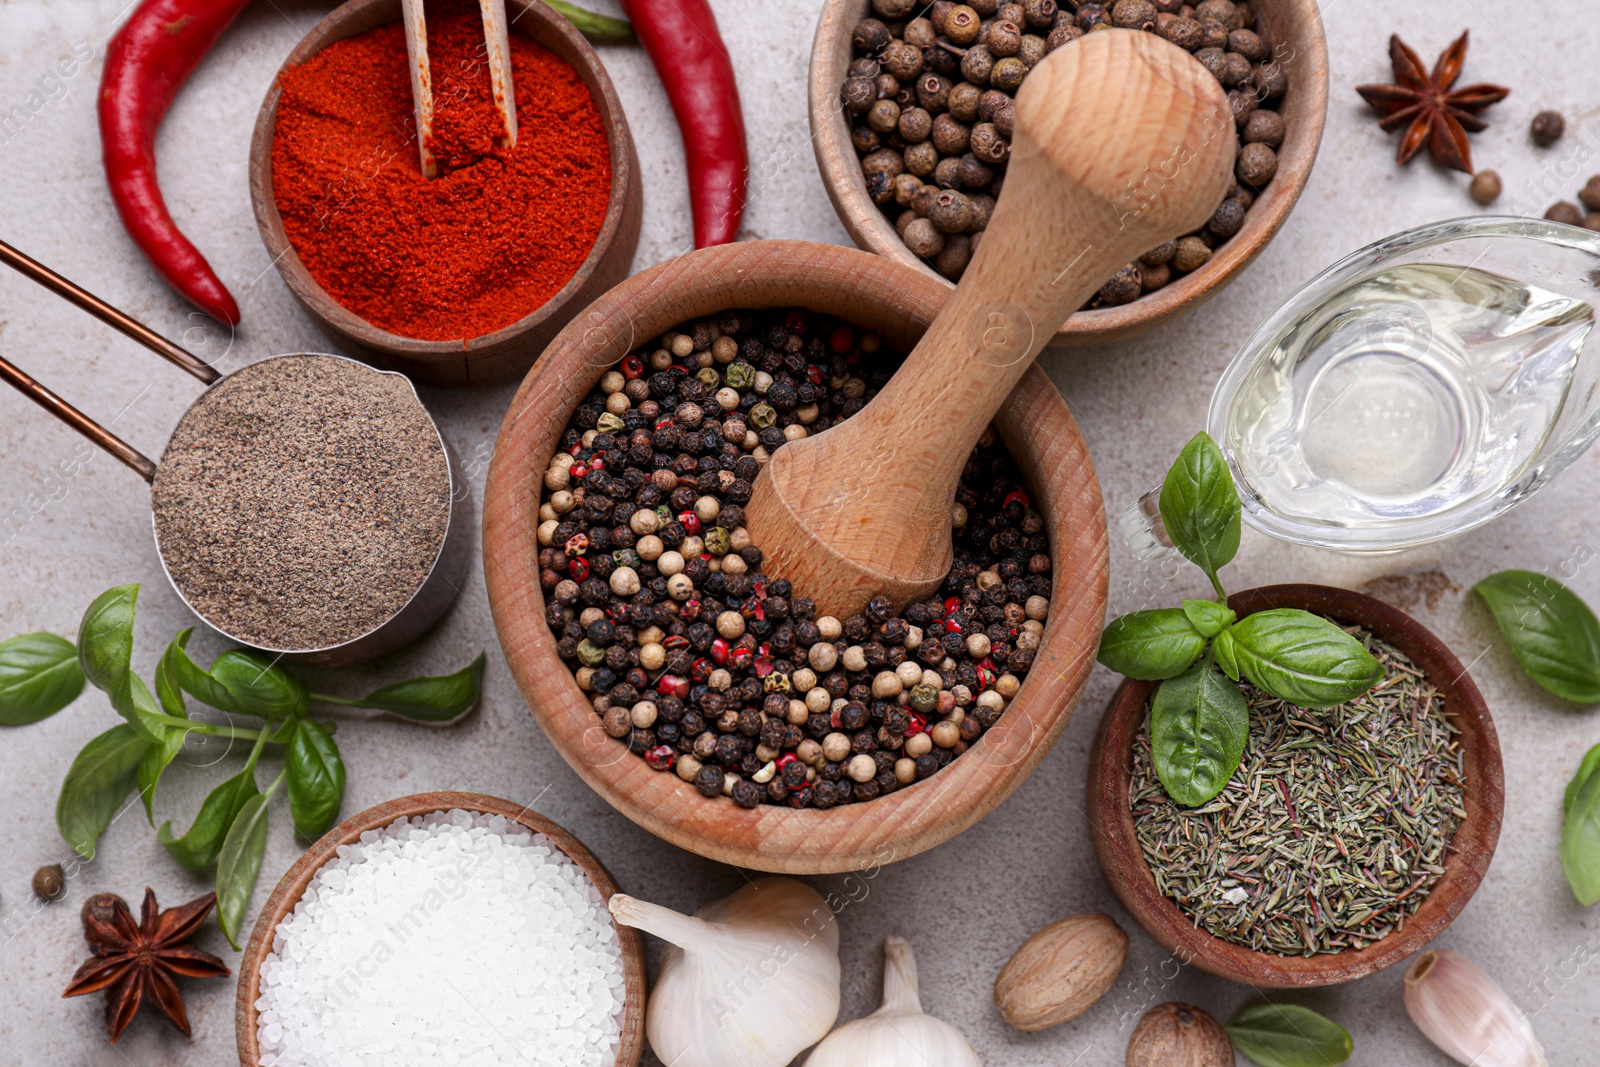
pixel 966 905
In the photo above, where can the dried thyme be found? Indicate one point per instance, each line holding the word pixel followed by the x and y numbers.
pixel 1332 831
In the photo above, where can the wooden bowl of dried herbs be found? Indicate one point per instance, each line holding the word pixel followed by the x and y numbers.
pixel 1347 839
pixel 909 105
pixel 419 919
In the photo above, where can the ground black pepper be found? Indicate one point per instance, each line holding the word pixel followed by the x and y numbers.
pixel 302 501
pixel 704 665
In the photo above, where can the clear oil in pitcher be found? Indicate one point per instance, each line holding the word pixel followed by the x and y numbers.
pixel 1414 390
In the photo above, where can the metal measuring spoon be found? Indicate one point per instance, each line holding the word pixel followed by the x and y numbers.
pixel 433 595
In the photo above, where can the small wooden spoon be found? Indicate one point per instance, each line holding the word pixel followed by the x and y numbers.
pixel 1122 141
pixel 496 52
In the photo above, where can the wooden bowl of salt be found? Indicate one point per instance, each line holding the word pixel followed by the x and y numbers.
pixel 387 944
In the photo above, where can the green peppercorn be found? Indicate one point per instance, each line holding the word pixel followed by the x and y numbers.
pixel 718 542
pixel 741 374
pixel 708 377
pixel 626 557
pixel 590 654
pixel 609 423
pixel 763 415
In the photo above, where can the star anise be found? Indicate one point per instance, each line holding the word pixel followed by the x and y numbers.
pixel 135 961
pixel 1432 111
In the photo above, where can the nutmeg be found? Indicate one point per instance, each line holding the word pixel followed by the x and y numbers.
pixel 1060 972
pixel 1179 1035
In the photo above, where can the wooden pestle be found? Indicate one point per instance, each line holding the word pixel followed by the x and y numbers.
pixel 1121 141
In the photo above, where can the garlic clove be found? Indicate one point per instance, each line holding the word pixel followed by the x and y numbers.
pixel 898 1034
pixel 750 980
pixel 1470 1018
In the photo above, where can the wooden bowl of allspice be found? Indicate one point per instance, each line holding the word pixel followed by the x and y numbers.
pixel 910 121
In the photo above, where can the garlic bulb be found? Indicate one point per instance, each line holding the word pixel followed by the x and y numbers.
pixel 751 981
pixel 898 1034
pixel 1462 1010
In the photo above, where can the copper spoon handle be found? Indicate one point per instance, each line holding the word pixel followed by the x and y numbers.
pixel 30 387
pixel 118 320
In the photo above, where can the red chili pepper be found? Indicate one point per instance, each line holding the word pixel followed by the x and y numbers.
pixel 147 61
pixel 682 40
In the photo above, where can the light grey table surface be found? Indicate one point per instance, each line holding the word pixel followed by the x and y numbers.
pixel 966 905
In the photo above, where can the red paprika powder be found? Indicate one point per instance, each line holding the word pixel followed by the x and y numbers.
pixel 487 242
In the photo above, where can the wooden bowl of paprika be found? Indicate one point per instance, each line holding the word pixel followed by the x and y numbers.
pixel 463 279
pixel 898 303
pixel 1466 861
pixel 1290 30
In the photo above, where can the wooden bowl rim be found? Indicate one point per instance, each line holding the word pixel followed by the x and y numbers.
pixel 1472 848
pixel 778 839
pixel 539 23
pixel 292 886
pixel 872 230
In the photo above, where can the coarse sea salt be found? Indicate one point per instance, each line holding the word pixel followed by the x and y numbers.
pixel 449 938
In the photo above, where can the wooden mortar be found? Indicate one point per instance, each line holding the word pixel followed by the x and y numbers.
pixel 1038 430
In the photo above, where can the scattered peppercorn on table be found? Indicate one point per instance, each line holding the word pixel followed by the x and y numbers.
pixel 71 523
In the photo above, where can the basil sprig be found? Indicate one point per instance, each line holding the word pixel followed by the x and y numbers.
pixel 41 673
pixel 1288 1035
pixel 1199 721
pixel 1551 631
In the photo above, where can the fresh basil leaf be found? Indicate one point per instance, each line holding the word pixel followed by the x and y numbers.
pixel 1288 1035
pixel 240 681
pixel 239 865
pixel 155 762
pixel 1151 645
pixel 258 685
pixel 1209 617
pixel 198 848
pixel 430 699
pixel 1551 631
pixel 100 779
pixel 1199 723
pixel 1227 653
pixel 1590 764
pixel 39 675
pixel 1580 840
pixel 1200 506
pixel 169 693
pixel 316 779
pixel 105 637
pixel 1302 658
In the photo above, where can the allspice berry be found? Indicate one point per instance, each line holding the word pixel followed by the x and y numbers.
pixel 1565 211
pixel 49 883
pixel 923 238
pixel 1263 127
pixel 1124 287
pixel 1191 254
pixel 950 212
pixel 1486 187
pixel 1179 1035
pixel 1258 163
pixel 1591 194
pixel 1547 128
